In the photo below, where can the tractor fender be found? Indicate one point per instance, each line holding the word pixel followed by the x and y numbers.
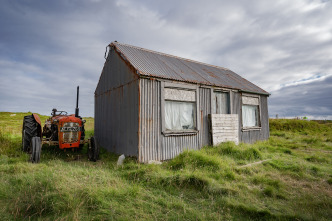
pixel 37 119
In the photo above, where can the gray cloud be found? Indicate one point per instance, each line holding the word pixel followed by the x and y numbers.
pixel 47 48
pixel 313 100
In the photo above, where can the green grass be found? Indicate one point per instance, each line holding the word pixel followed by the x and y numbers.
pixel 293 183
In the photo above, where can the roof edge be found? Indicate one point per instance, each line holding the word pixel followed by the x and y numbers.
pixel 168 55
pixel 252 92
pixel 125 59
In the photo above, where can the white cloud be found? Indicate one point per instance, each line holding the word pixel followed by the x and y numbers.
pixel 307 80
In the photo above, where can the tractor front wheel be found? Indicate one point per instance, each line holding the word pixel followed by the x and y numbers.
pixel 35 150
pixel 93 151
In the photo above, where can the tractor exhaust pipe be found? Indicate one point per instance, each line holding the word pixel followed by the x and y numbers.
pixel 77 110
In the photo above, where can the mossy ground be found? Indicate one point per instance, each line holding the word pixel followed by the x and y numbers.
pixel 293 183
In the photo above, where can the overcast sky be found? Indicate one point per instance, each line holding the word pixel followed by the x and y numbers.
pixel 47 48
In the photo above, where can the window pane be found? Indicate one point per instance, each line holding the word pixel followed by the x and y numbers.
pixel 179 115
pixel 221 103
pixel 249 116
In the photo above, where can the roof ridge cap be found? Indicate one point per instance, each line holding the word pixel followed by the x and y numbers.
pixel 169 55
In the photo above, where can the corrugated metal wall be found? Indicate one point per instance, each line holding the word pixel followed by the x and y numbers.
pixel 205 110
pixel 265 132
pixel 153 145
pixel 150 129
pixel 236 109
pixel 252 136
pixel 116 107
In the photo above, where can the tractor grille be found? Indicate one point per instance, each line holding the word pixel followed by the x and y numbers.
pixel 70 136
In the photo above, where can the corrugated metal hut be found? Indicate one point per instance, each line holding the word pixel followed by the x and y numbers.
pixel 153 105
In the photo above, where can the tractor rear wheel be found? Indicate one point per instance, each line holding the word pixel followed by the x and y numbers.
pixel 93 151
pixel 82 139
pixel 29 130
pixel 35 150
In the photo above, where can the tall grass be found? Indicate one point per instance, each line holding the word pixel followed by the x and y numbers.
pixel 214 183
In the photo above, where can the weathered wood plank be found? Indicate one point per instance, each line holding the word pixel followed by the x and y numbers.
pixel 225 135
pixel 220 136
pixel 217 131
pixel 222 120
pixel 250 100
pixel 222 124
pixel 218 141
pixel 224 127
pixel 217 128
pixel 179 95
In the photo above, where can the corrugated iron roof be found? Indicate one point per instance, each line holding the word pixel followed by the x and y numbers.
pixel 160 65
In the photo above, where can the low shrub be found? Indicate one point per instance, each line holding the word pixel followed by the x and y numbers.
pixel 194 160
pixel 236 152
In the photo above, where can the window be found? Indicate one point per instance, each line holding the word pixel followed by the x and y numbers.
pixel 179 115
pixel 179 108
pixel 220 103
pixel 250 112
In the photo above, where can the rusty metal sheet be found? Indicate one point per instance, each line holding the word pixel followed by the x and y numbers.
pixel 160 65
pixel 116 109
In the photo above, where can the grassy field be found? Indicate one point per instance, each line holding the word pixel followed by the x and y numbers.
pixel 294 181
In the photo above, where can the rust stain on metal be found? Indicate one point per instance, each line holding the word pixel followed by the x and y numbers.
pixel 116 88
pixel 202 117
pixel 210 73
pixel 139 122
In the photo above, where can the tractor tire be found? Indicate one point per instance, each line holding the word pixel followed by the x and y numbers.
pixel 93 151
pixel 29 130
pixel 35 150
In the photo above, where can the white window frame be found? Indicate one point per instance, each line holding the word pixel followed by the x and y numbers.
pixel 178 86
pixel 259 112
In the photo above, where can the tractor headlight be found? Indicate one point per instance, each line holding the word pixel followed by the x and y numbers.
pixel 84 121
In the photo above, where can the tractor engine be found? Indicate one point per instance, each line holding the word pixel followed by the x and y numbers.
pixel 68 130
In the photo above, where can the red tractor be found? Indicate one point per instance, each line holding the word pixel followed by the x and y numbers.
pixel 62 130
